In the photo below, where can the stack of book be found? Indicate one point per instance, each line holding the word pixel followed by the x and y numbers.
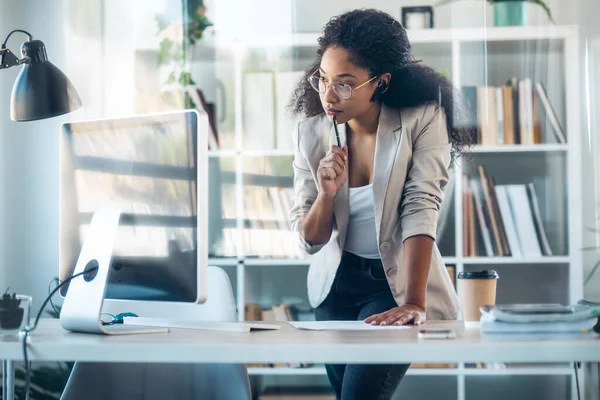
pixel 502 220
pixel 510 114
pixel 539 319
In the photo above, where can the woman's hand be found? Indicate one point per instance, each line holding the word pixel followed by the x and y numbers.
pixel 399 316
pixel 333 170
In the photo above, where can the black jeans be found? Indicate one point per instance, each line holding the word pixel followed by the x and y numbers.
pixel 360 289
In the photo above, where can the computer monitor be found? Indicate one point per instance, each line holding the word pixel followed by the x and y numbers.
pixel 154 168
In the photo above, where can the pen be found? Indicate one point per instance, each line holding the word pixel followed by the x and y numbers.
pixel 337 133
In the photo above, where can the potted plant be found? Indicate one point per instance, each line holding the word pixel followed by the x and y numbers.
pixel 11 315
pixel 514 12
pixel 469 13
pixel 178 39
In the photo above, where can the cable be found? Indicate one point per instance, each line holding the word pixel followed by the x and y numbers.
pixel 575 366
pixel 49 294
pixel 112 319
pixel 16 30
pixel 37 318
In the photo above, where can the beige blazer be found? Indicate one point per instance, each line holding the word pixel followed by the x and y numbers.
pixel 412 156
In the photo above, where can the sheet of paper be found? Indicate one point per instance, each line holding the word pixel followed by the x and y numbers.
pixel 342 326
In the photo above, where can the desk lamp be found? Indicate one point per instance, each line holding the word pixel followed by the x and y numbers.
pixel 41 89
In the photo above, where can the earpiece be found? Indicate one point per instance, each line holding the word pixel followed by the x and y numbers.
pixel 381 88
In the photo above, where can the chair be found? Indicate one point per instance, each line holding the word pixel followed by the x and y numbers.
pixel 147 381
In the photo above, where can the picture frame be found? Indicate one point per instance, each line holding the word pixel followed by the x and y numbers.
pixel 417 17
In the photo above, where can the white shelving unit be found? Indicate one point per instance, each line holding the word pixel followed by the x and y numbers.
pixel 452 43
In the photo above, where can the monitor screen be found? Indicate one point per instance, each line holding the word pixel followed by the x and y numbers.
pixel 152 168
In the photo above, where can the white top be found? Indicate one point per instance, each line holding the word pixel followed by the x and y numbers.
pixel 49 342
pixel 361 236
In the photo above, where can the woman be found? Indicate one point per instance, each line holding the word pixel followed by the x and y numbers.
pixel 367 208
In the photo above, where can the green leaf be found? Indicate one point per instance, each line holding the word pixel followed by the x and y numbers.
pixel 164 51
pixel 184 78
pixel 171 78
pixel 545 7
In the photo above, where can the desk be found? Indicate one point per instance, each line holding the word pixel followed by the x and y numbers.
pixel 51 343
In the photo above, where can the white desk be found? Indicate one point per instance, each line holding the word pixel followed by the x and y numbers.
pixel 51 343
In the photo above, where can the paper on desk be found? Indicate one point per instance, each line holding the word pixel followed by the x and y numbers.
pixel 343 326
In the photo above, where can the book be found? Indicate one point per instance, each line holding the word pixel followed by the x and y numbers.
pixel 489 209
pixel 539 225
pixel 508 109
pixel 550 114
pixel 519 203
pixel 507 216
pixel 539 313
pixel 483 224
pixel 498 218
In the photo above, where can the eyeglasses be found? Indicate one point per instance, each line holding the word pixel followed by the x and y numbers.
pixel 342 89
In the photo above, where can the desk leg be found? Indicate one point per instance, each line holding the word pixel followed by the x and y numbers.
pixel 9 371
pixel 592 376
pixel 4 379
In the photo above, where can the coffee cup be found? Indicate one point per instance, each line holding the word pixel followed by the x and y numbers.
pixel 476 289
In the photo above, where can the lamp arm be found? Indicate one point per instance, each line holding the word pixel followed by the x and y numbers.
pixel 16 30
pixel 8 59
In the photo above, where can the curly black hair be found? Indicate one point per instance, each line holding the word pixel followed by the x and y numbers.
pixel 378 42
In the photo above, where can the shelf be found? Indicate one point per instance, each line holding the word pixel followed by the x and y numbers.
pixel 265 262
pixel 542 370
pixel 223 262
pixel 276 262
pixel 489 34
pixel 506 148
pixel 319 370
pixel 287 371
pixel 521 148
pixel 513 260
pixel 251 153
pixel 290 262
pixel 415 36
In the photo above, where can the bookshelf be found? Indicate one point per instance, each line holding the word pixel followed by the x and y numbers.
pixel 470 56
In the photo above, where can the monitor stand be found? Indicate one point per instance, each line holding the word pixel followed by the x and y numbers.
pixel 82 306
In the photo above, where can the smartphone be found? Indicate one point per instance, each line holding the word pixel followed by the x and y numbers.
pixel 433 333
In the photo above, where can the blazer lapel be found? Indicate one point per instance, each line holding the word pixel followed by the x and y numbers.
pixel 341 207
pixel 386 148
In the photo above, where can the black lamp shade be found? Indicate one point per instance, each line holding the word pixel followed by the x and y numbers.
pixel 41 89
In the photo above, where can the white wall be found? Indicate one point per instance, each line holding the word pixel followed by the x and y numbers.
pixel 29 155
pixel 3 117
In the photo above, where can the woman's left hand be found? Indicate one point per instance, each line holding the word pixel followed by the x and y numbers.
pixel 399 316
